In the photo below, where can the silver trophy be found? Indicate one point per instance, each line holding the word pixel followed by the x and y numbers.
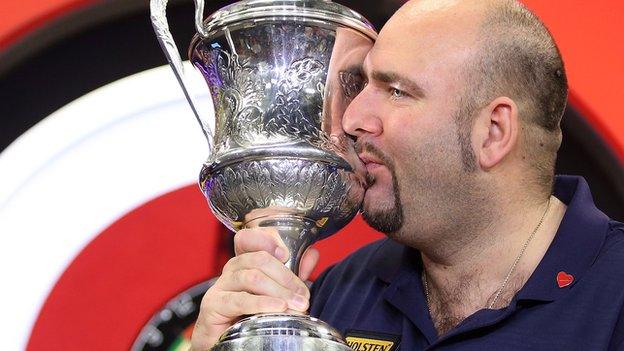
pixel 281 74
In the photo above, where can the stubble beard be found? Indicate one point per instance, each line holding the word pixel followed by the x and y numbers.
pixel 386 220
pixel 390 220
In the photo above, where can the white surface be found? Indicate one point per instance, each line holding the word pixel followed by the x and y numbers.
pixel 77 171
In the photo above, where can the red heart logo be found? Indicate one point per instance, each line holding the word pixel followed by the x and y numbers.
pixel 564 279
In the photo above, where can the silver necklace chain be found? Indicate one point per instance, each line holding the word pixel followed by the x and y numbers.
pixel 511 270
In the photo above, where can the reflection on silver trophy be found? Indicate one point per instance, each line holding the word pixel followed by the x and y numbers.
pixel 281 74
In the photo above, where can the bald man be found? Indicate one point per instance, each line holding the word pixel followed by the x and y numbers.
pixel 458 125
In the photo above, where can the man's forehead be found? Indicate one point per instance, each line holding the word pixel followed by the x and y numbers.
pixel 417 8
pixel 426 63
pixel 390 58
pixel 440 20
pixel 419 42
pixel 384 59
pixel 390 74
pixel 369 63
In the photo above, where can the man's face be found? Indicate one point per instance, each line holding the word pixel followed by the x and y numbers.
pixel 404 121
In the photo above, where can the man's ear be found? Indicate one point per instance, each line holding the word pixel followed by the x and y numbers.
pixel 496 131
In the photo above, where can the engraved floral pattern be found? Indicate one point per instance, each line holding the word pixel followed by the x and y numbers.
pixel 237 94
pixel 287 115
pixel 306 187
pixel 262 102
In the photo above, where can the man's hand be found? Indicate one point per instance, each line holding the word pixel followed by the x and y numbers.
pixel 255 281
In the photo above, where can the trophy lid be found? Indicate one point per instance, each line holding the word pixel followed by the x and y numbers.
pixel 324 10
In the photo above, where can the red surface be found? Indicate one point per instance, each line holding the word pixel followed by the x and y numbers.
pixel 131 269
pixel 589 35
pixel 22 17
pixel 128 272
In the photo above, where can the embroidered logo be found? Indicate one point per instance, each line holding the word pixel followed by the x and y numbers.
pixel 371 341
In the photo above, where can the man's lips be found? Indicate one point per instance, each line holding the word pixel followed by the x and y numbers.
pixel 370 162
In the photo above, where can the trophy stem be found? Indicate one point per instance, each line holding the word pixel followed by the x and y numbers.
pixel 296 232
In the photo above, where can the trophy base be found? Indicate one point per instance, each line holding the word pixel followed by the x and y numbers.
pixel 280 331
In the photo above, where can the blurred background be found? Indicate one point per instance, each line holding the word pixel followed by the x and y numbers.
pixel 106 242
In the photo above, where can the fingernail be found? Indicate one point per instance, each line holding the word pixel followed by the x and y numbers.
pixel 300 302
pixel 281 254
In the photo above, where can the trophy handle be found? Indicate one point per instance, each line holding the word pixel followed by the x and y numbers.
pixel 165 39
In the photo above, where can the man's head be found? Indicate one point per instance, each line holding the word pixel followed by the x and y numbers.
pixel 461 112
pixel 518 58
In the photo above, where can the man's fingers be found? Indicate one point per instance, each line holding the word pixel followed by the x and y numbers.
pixel 308 262
pixel 257 282
pixel 222 308
pixel 260 239
pixel 270 266
pixel 234 304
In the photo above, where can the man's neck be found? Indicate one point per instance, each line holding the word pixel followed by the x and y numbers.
pixel 464 280
pixel 489 246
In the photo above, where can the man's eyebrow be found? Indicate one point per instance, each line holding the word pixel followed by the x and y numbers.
pixel 408 84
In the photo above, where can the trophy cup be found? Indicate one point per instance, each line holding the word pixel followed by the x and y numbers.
pixel 280 73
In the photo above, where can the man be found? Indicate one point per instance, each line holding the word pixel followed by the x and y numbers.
pixel 458 126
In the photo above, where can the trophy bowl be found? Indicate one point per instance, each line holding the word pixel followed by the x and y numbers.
pixel 281 74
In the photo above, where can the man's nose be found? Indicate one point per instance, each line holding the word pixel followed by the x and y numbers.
pixel 361 116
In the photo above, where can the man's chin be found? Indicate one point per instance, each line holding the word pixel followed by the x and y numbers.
pixel 382 208
pixel 387 220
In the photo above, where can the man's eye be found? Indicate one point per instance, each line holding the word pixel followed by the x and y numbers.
pixel 396 93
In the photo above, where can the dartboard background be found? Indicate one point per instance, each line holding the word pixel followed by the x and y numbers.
pixel 53 52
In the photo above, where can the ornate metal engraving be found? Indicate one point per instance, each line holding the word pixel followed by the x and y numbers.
pixel 266 94
pixel 306 188
pixel 286 116
pixel 280 156
pixel 238 94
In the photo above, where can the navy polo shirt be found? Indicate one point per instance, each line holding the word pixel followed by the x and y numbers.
pixel 375 296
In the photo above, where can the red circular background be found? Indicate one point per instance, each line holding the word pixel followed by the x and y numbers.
pixel 133 267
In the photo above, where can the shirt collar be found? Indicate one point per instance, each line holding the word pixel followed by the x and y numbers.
pixel 575 247
pixel 387 260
